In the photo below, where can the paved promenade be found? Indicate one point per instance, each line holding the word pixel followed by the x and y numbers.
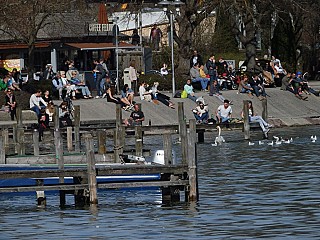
pixel 284 109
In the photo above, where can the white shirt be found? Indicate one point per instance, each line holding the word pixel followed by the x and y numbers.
pixel 35 101
pixel 132 74
pixel 224 112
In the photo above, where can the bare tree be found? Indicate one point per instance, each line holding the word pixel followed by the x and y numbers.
pixel 23 20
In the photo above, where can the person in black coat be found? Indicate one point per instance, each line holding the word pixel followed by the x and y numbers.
pixel 195 58
pixel 43 123
pixel 11 103
pixel 257 85
pixel 212 71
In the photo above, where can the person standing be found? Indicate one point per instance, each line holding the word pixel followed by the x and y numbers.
pixel 98 73
pixel 133 77
pixel 212 71
pixel 195 58
pixel 155 37
pixel 11 103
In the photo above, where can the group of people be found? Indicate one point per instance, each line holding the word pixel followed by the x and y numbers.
pixel 44 108
pixel 223 115
pixel 294 83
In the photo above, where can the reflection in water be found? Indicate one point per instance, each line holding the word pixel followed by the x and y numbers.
pixel 258 191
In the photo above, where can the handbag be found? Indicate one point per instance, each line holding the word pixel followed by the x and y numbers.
pixel 184 94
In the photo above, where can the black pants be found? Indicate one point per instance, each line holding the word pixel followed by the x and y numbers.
pixel 13 113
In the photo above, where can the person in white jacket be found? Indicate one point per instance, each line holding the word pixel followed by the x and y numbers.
pixel 35 101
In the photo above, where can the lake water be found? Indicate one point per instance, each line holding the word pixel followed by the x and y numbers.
pixel 246 192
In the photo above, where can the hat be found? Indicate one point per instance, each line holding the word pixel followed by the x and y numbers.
pixel 299 73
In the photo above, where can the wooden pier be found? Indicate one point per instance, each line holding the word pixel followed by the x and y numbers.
pixel 173 179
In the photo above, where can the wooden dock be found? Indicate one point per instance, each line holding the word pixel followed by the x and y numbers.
pixel 173 178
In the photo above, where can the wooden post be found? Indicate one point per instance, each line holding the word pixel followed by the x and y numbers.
pixel 60 161
pixel 265 109
pixel 56 117
pixel 5 135
pixel 14 134
pixel 76 115
pixel 167 146
pixel 20 141
pixel 41 199
pixel 35 137
pixel 69 139
pixel 246 124
pixel 102 138
pixel 92 179
pixel 139 140
pixel 118 139
pixel 118 116
pixel 2 151
pixel 19 116
pixel 192 163
pixel 201 136
pixel 182 132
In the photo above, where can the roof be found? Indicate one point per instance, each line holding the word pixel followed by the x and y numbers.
pixel 100 46
pixel 4 46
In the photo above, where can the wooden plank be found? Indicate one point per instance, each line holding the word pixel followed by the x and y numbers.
pixel 74 187
pixel 101 171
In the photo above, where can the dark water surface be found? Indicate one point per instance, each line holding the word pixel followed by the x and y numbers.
pixel 246 192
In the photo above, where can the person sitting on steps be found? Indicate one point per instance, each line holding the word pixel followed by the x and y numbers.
pixel 201 113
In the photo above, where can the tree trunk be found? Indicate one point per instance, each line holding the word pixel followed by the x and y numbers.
pixel 30 61
pixel 250 57
pixel 184 42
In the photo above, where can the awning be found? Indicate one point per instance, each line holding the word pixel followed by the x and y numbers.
pixel 102 46
pixel 4 46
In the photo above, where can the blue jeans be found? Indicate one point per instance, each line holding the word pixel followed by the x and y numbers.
pixel 99 84
pixel 204 82
pixel 193 98
pixel 37 110
pixel 203 117
pixel 223 119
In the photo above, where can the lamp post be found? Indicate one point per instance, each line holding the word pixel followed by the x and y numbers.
pixel 171 7
pixel 115 31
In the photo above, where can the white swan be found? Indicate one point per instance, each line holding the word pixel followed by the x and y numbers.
pixel 277 140
pixel 286 141
pixel 313 138
pixel 291 139
pixel 270 143
pixel 251 143
pixel 261 142
pixel 219 139
pixel 214 144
